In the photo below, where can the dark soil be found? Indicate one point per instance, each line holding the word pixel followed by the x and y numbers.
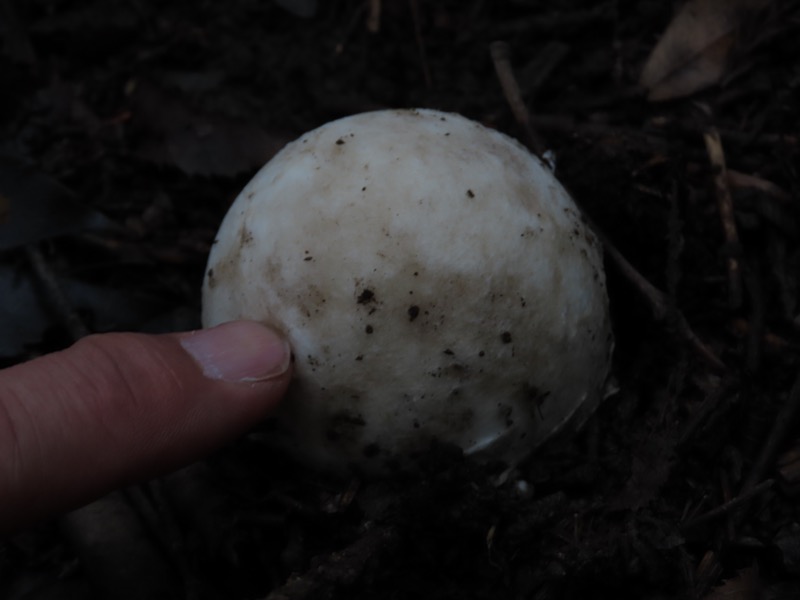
pixel 144 119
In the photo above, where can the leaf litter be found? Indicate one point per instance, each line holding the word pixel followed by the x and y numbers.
pixel 693 52
pixel 652 500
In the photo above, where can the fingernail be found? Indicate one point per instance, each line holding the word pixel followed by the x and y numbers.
pixel 238 351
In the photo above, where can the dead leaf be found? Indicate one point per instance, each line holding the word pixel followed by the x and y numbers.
pixel 24 315
pixel 34 207
pixel 745 586
pixel 197 142
pixel 736 179
pixel 693 52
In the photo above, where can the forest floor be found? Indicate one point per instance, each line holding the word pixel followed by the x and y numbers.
pixel 127 127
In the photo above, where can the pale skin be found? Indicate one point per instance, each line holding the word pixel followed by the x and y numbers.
pixel 115 409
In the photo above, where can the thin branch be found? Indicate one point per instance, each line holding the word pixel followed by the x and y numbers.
pixel 725 206
pixel 501 57
pixel 659 302
pixel 54 294
pixel 727 507
pixel 374 16
pixel 426 71
pixel 105 551
pixel 783 424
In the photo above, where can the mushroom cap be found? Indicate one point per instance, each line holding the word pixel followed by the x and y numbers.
pixel 435 282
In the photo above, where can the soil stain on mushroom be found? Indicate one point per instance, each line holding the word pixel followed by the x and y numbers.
pixel 366 297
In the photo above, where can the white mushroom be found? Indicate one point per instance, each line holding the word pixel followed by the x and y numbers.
pixel 434 281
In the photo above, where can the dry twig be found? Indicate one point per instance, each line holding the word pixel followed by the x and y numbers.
pixel 659 303
pixel 783 424
pixel 501 57
pixel 707 573
pixel 725 205
pixel 709 405
pixel 108 535
pixel 658 300
pixel 426 71
pixel 374 16
pixel 54 294
pixel 723 509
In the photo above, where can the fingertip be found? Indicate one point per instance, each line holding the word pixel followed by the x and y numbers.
pixel 239 351
pixel 119 408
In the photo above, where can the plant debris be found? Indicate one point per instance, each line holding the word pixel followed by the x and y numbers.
pixel 685 482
